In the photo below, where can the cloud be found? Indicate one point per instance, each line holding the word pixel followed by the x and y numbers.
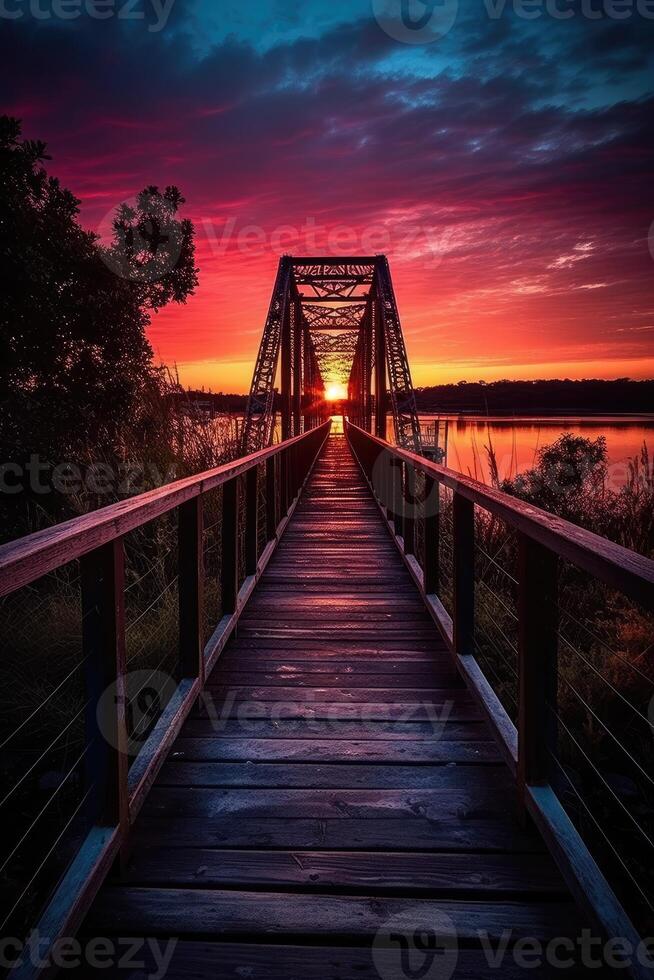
pixel 494 187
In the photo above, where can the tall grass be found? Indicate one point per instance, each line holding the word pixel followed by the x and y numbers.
pixel 42 667
pixel 602 747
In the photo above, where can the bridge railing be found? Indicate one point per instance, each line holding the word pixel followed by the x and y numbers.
pixel 502 579
pixel 67 822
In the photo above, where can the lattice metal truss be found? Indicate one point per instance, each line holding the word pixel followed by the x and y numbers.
pixel 332 320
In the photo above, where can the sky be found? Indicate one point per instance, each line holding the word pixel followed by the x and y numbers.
pixel 501 155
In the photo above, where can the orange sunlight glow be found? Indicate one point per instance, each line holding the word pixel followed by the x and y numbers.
pixel 335 391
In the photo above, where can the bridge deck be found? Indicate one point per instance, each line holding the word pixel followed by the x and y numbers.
pixel 349 778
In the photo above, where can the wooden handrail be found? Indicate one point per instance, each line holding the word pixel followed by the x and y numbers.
pixel 97 539
pixel 28 558
pixel 626 571
pixel 542 540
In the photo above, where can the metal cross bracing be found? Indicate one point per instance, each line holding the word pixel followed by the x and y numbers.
pixel 332 321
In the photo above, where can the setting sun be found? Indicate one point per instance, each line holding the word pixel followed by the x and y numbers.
pixel 335 391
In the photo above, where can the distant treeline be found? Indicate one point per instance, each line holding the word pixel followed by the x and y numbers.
pixel 588 397
pixel 216 402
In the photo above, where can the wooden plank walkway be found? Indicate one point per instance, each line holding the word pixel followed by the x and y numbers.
pixel 342 776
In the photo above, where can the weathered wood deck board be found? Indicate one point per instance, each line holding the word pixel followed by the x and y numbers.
pixel 262 961
pixel 336 775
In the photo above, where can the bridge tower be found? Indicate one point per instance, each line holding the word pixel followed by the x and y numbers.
pixel 332 326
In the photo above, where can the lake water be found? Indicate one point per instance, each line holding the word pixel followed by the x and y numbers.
pixel 516 441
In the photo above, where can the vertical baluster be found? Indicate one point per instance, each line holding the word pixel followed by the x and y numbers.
pixel 103 638
pixel 283 482
pixel 398 490
pixel 191 587
pixel 537 661
pixel 271 498
pixel 463 517
pixel 294 472
pixel 408 512
pixel 229 567
pixel 431 535
pixel 388 484
pixel 251 520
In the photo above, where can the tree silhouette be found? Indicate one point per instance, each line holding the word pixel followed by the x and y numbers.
pixel 74 357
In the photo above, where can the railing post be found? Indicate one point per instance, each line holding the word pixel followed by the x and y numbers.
pixel 251 520
pixel 537 662
pixel 408 511
pixel 293 454
pixel 431 542
pixel 387 484
pixel 229 568
pixel 271 499
pixel 103 638
pixel 191 587
pixel 283 483
pixel 463 521
pixel 396 484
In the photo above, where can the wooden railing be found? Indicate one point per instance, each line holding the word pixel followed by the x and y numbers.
pixel 543 540
pixel 97 540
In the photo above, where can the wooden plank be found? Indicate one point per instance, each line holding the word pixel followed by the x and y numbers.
pixel 418 872
pixel 461 707
pixel 233 913
pixel 279 775
pixel 315 665
pixel 457 834
pixel 441 727
pixel 204 803
pixel 207 960
pixel 358 695
pixel 345 679
pixel 329 750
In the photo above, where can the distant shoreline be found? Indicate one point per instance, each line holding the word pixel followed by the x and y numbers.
pixel 565 399
pixel 644 417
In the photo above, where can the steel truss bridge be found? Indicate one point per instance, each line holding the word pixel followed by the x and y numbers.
pixel 332 321
pixel 417 779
